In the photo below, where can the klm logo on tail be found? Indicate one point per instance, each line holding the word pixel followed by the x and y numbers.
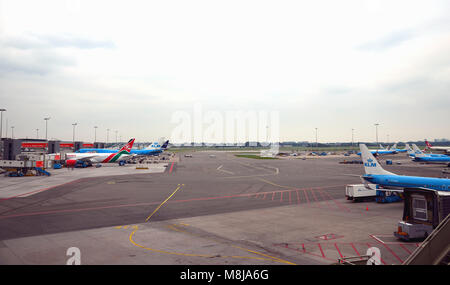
pixel 370 163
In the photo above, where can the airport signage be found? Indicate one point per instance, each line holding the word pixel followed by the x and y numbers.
pixel 34 145
pixel 66 145
pixel 88 145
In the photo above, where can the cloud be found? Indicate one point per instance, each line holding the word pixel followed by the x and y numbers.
pixel 37 62
pixel 77 42
pixel 388 41
pixel 41 54
pixel 33 41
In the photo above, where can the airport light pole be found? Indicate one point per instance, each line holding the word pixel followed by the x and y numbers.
pixel 352 136
pixel 37 133
pixel 376 131
pixel 46 125
pixel 12 132
pixel 107 135
pixel 74 124
pixel 116 136
pixel 317 145
pixel 95 133
pixel 1 122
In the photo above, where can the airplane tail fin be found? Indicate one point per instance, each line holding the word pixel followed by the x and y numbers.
pixel 417 151
pixel 428 144
pixel 394 147
pixel 128 146
pixel 371 165
pixel 165 144
pixel 409 150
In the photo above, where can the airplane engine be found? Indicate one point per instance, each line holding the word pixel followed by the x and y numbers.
pixel 71 162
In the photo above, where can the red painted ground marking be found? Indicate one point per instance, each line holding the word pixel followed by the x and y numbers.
pixel 315 198
pixel 281 198
pixel 40 190
pixel 323 198
pixel 133 205
pixel 78 210
pixel 381 259
pixel 387 247
pixel 129 205
pixel 336 202
pixel 304 189
pixel 392 252
pixel 417 245
pixel 211 198
pixel 320 247
pixel 171 167
pixel 298 197
pixel 306 196
pixel 335 245
pixel 354 248
pixel 329 236
pixel 303 250
pixel 407 250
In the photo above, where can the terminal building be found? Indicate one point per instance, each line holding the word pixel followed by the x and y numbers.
pixel 17 149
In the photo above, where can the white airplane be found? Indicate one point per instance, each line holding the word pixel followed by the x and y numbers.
pixel 122 154
pixel 439 148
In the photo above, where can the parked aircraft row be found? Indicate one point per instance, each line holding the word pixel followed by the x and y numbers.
pixel 419 156
pixel 375 174
pixel 111 155
pixel 415 153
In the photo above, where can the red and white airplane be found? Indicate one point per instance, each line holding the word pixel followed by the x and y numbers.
pixel 122 154
pixel 438 148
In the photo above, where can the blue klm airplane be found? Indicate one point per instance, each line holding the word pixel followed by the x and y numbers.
pixel 382 150
pixel 375 174
pixel 394 147
pixel 437 158
pixel 412 153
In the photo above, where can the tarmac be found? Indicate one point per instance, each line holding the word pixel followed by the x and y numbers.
pixel 201 210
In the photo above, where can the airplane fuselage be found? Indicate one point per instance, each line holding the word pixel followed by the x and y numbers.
pixel 99 157
pixel 133 151
pixel 400 181
pixel 380 151
pixel 432 159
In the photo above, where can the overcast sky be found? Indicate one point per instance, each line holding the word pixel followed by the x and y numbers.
pixel 129 65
